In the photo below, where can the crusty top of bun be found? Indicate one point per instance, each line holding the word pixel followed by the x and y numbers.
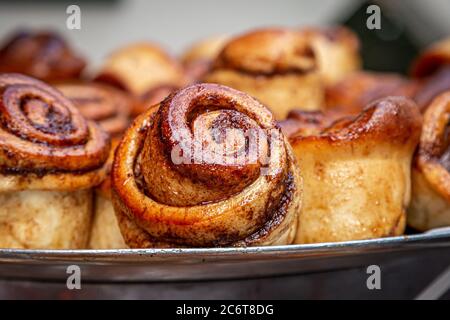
pixel 268 51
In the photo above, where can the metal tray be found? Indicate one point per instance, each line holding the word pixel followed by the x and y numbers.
pixel 161 265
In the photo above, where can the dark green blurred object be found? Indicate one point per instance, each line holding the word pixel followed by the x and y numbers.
pixel 392 48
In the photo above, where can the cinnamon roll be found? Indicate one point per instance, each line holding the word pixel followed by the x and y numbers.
pixel 145 71
pixel 430 205
pixel 209 168
pixel 50 159
pixel 356 173
pixel 105 232
pixel 43 55
pixel 336 50
pixel 277 66
pixel 107 106
pixel 432 59
pixel 152 97
pixel 433 68
pixel 306 123
pixel 198 59
pixel 351 94
pixel 110 108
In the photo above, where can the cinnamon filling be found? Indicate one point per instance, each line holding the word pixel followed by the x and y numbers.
pixel 444 159
pixel 41 131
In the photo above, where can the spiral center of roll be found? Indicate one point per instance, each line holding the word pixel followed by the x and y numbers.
pixel 45 118
pixel 39 116
pixel 227 138
pixel 213 142
pixel 221 139
pixel 42 132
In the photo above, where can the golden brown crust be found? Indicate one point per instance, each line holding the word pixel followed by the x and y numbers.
pixel 162 200
pixel 107 106
pixel 357 90
pixel 140 68
pixel 268 52
pixel 45 143
pixel 43 55
pixel 306 123
pixel 276 66
pixel 392 119
pixel 363 165
pixel 104 189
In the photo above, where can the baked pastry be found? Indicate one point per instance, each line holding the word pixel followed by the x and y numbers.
pixel 430 205
pixel 105 232
pixel 209 168
pixel 432 59
pixel 145 71
pixel 43 55
pixel 152 97
pixel 106 105
pixel 432 67
pixel 50 159
pixel 307 123
pixel 110 108
pixel 277 66
pixel 336 50
pixel 198 59
pixel 354 92
pixel 356 173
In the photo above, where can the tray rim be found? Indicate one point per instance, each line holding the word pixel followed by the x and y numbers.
pixel 437 237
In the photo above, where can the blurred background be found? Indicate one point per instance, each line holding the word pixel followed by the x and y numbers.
pixel 407 25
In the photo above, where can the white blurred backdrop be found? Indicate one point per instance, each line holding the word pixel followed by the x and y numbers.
pixel 175 24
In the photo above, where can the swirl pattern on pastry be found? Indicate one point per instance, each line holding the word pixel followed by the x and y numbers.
pixel 181 179
pixel 45 138
pixel 278 66
pixel 107 106
pixel 430 207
